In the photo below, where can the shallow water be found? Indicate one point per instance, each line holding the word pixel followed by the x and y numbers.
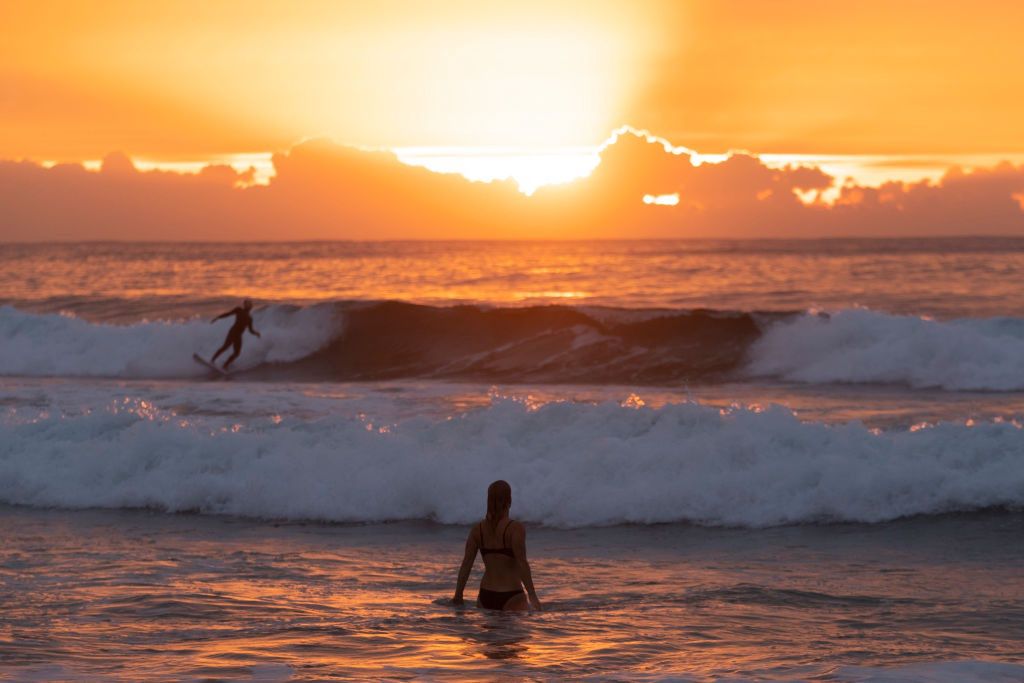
pixel 388 402
pixel 134 595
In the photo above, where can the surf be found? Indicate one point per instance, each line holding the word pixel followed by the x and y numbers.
pixel 385 340
pixel 575 464
pixel 63 345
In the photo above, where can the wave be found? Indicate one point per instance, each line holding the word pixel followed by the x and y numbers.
pixel 571 465
pixel 351 341
pixel 62 345
pixel 355 341
pixel 861 346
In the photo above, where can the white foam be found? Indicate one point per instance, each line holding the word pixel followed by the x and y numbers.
pixel 861 346
pixel 55 345
pixel 571 464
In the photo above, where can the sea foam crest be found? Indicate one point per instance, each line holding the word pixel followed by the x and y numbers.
pixel 53 345
pixel 862 346
pixel 571 464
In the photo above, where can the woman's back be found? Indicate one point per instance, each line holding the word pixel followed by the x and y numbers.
pixel 501 572
pixel 502 543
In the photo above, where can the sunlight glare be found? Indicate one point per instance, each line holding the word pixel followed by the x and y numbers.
pixel 529 169
pixel 662 199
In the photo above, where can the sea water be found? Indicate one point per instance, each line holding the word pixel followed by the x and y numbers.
pixel 754 460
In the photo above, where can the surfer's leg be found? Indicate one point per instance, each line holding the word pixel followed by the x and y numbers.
pixel 227 343
pixel 238 350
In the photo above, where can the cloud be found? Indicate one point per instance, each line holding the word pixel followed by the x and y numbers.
pixel 322 190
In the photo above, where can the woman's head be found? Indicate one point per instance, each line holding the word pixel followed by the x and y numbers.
pixel 499 500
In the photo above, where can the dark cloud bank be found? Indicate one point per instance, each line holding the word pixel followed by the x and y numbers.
pixel 326 191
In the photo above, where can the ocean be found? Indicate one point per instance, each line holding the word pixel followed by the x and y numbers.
pixel 760 460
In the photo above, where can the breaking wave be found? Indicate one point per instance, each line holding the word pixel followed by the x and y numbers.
pixel 571 464
pixel 61 345
pixel 860 346
pixel 391 340
pixel 353 341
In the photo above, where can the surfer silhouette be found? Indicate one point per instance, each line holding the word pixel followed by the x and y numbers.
pixel 243 321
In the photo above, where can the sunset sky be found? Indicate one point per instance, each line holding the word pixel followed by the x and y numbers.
pixel 870 90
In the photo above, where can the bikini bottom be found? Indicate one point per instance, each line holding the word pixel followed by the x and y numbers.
pixel 489 599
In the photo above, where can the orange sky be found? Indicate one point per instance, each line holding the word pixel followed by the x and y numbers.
pixel 189 79
pixel 193 79
pixel 532 90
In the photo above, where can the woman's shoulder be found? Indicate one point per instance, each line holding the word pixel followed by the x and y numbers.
pixel 516 527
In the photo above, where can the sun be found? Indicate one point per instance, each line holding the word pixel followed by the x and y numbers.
pixel 529 168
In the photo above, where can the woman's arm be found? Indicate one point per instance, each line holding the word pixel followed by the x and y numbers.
pixel 472 545
pixel 519 549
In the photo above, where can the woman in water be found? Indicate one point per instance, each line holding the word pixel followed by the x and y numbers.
pixel 502 543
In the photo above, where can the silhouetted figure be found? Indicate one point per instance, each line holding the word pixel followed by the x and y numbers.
pixel 502 544
pixel 243 321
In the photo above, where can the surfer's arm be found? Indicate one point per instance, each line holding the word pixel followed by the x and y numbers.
pixel 222 315
pixel 467 565
pixel 252 330
pixel 525 575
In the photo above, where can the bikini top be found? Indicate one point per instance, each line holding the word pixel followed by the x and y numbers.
pixel 503 550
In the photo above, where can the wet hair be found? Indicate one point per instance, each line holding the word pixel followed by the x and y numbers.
pixel 247 303
pixel 499 497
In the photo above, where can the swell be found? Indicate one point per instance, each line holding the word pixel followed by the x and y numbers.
pixel 554 344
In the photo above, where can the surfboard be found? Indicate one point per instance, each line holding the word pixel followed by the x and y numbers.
pixel 207 364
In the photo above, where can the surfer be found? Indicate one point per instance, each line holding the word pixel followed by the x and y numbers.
pixel 502 544
pixel 243 321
